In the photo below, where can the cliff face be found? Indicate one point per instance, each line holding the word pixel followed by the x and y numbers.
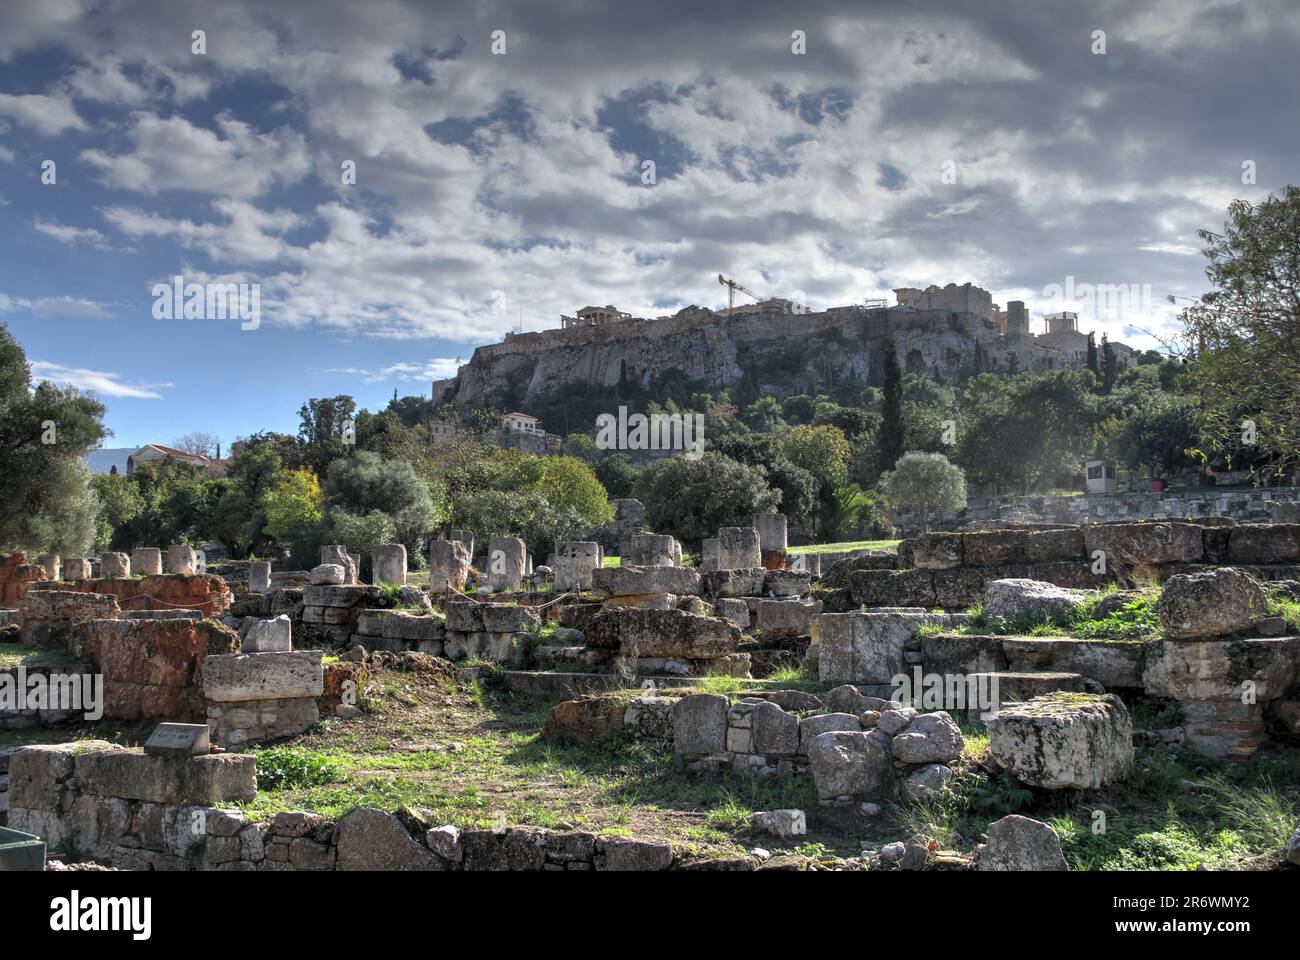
pixel 786 353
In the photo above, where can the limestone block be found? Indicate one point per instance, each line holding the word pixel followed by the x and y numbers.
pixel 575 562
pixel 1064 741
pixel 700 724
pixel 774 730
pixel 929 738
pixel 650 550
pixel 1213 603
pixel 506 560
pixel 937 551
pixel 783 619
pixel 848 764
pixel 336 554
pixel 738 548
pixel 1020 843
pixel 1221 669
pixel 260 676
pixel 448 565
pixel 739 582
pixel 147 561
pixel 786 583
pixel 640 581
pixel 114 563
pixel 267 636
pixel 329 574
pixel 388 560
pixel 1145 543
pixel 812 727
pixel 181 559
pixel 772 532
pixel 1031 601
pixel 865 647
pixel 370 839
pixel 1264 543
pixel 735 610
pixel 259 576
pixel 132 774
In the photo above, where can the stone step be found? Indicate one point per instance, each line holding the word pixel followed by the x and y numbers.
pixel 1112 663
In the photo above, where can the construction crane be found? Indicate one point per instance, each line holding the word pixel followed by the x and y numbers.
pixel 732 286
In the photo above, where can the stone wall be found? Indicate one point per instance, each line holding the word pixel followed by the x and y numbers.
pixel 951 570
pixel 120 807
pixel 170 591
pixel 16 575
pixel 153 669
pixel 1246 506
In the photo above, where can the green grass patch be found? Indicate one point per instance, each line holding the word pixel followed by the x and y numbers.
pixel 289 768
pixel 845 546
pixel 19 655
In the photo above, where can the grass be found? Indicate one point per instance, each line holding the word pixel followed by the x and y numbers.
pixel 19 655
pixel 1281 605
pixel 1138 619
pixel 845 546
pixel 473 756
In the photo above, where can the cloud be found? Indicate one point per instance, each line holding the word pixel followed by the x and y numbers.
pixel 495 191
pixel 174 154
pixel 47 115
pixel 102 383
pixel 435 369
pixel 73 236
pixel 58 306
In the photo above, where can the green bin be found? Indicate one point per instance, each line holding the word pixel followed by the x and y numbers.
pixel 21 851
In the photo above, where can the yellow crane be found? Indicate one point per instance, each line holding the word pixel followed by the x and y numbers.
pixel 732 286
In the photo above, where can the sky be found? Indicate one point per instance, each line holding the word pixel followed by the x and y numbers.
pixel 828 152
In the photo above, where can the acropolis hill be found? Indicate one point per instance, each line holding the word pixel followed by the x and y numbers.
pixel 945 332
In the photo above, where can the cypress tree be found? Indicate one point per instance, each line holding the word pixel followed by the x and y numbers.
pixel 891 428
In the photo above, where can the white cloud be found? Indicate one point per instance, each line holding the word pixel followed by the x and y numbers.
pixel 60 306
pixel 47 115
pixel 435 369
pixel 173 154
pixel 101 382
pixel 73 236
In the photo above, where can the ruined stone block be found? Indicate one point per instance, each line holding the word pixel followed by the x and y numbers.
pixel 738 548
pixel 575 562
pixel 181 559
pixel 261 676
pixel 937 551
pixel 1264 543
pixel 641 581
pixel 113 563
pixel 336 554
pixel 147 561
pixel 1064 741
pixel 448 565
pixel 700 724
pixel 267 636
pixel 1128 544
pixel 1213 603
pixel 782 619
pixel 506 561
pixel 388 561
